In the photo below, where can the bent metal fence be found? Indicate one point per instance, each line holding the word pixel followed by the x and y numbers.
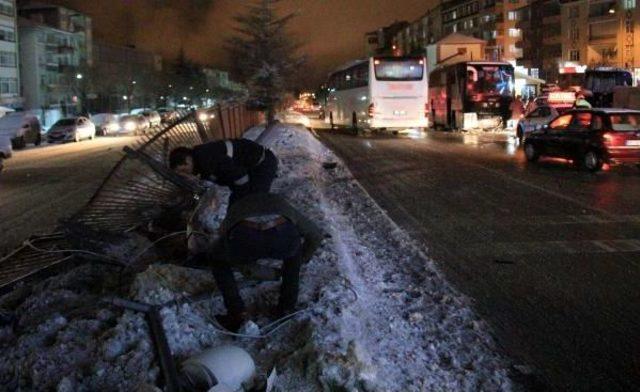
pixel 129 195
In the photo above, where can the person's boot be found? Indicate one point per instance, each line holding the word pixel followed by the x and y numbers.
pixel 232 321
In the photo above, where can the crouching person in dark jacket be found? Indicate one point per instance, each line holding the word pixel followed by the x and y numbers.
pixel 244 166
pixel 261 226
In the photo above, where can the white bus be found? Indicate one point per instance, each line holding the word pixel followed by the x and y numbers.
pixel 379 93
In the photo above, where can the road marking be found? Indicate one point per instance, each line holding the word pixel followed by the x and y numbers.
pixel 505 175
pixel 497 249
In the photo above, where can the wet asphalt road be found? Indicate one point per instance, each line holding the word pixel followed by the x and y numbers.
pixel 41 185
pixel 550 255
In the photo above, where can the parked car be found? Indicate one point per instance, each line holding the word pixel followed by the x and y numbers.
pixel 589 137
pixel 153 117
pixel 5 150
pixel 537 119
pixel 71 129
pixel 22 129
pixel 167 115
pixel 106 123
pixel 139 110
pixel 136 124
pixel 205 115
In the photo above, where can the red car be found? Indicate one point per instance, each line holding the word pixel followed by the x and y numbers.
pixel 590 137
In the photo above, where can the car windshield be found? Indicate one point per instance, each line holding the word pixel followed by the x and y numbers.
pixel 489 79
pixel 128 118
pixel 65 122
pixel 625 121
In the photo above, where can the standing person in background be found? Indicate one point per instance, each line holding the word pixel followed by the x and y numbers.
pixel 517 111
pixel 581 102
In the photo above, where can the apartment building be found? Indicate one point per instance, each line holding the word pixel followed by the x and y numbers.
pixel 55 42
pixel 383 41
pixel 540 37
pixel 601 33
pixel 9 59
pixel 426 30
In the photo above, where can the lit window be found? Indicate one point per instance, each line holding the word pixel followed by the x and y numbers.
pixel 514 32
pixel 629 4
pixel 574 55
pixel 512 15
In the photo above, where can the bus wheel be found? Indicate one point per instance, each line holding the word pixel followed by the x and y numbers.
pixel 331 120
pixel 520 135
pixel 354 122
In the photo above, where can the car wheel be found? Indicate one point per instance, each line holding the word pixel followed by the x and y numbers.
pixel 38 139
pixel 592 161
pixel 18 143
pixel 331 120
pixel 531 152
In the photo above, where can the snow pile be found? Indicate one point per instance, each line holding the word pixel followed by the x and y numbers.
pixel 377 314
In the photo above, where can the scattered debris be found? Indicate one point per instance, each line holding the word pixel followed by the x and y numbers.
pixel 376 315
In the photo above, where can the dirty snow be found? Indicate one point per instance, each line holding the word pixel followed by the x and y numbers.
pixel 378 316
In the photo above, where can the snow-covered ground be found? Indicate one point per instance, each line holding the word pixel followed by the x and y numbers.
pixel 377 315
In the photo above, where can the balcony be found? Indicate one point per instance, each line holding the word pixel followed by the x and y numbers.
pixel 66 49
pixel 605 10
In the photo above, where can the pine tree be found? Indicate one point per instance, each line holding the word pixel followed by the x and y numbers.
pixel 264 56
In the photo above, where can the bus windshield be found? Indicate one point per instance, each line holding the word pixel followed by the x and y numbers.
pixel 489 79
pixel 399 70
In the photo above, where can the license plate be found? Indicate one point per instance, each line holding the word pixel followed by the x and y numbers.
pixel 633 142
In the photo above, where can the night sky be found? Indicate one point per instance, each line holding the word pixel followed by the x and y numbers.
pixel 332 30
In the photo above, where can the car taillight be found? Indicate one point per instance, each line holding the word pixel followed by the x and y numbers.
pixel 371 109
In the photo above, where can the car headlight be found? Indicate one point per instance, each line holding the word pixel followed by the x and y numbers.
pixel 112 127
pixel 203 117
pixel 130 126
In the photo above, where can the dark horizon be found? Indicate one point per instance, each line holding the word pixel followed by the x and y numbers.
pixel 159 26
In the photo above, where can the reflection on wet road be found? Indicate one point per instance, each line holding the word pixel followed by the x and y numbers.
pixel 550 254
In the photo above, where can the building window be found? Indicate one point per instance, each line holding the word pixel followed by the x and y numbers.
pixel 514 33
pixel 512 15
pixel 7 59
pixel 6 8
pixel 7 34
pixel 574 33
pixel 629 4
pixel 494 34
pixel 574 55
pixel 574 12
pixel 535 72
pixel 8 86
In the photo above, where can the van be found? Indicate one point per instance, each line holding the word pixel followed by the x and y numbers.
pixel 21 129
